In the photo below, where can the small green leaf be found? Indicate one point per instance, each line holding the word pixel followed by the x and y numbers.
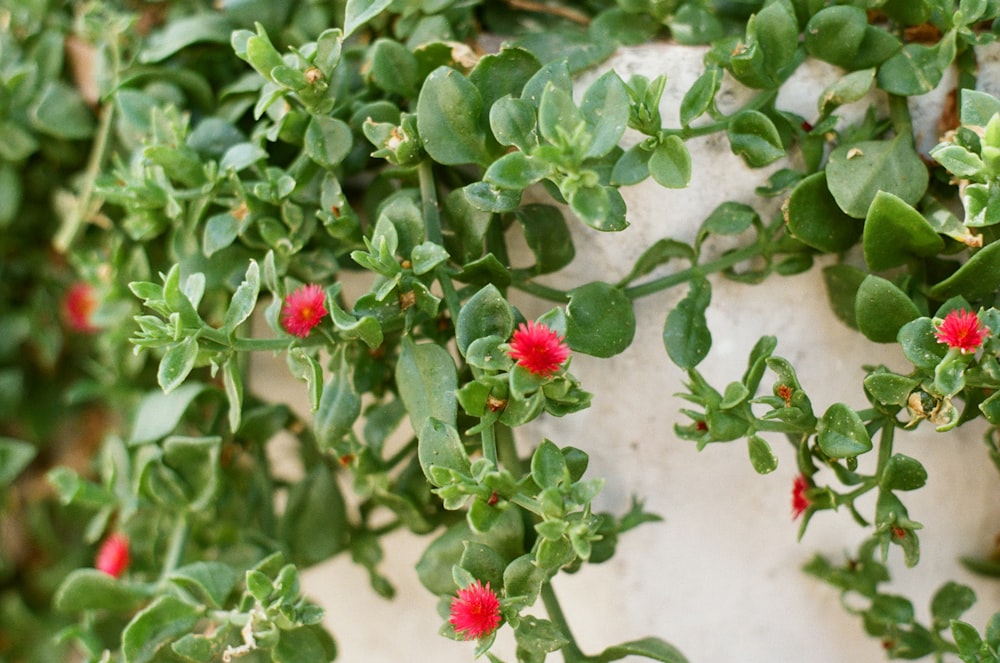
pixel 881 309
pixel 841 433
pixel 651 648
pixel 834 34
pixel 244 299
pixel 605 108
pixel 427 380
pixel 950 602
pixel 895 232
pixel 903 473
pixel 890 388
pixel 359 12
pixel 439 446
pixel 979 277
pixel 154 628
pixel 600 320
pixel 700 97
pixel 685 332
pixel 753 136
pixel 670 163
pixel 328 140
pixel 314 524
pixel 547 235
pixel 159 413
pixel 761 457
pixel 487 313
pixel 90 589
pixel 448 119
pixel 814 218
pixel 858 172
pixel 177 364
pixel 548 466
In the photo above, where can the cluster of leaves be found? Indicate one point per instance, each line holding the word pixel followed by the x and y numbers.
pixel 368 140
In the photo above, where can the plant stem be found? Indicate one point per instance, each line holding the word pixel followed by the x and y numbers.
pixel 178 541
pixel 899 116
pixel 571 652
pixel 489 445
pixel 71 226
pixel 432 220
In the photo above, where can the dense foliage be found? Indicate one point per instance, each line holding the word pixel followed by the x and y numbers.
pixel 184 184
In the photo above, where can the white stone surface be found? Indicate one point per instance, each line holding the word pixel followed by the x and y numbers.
pixel 721 576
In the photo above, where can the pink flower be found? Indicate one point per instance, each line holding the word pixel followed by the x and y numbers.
pixel 799 500
pixel 538 349
pixel 113 557
pixel 78 305
pixel 475 612
pixel 303 310
pixel 963 330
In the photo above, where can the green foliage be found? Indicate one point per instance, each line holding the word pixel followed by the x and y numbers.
pixel 222 158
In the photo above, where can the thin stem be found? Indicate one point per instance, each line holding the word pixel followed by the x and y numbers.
pixel 178 541
pixel 432 220
pixel 885 447
pixel 719 264
pixel 489 445
pixel 571 652
pixel 71 226
pixel 899 115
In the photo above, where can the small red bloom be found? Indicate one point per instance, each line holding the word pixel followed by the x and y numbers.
pixel 538 349
pixel 475 612
pixel 78 306
pixel 799 500
pixel 113 557
pixel 304 309
pixel 963 330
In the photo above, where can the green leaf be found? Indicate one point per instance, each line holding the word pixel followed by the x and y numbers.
pixel 359 12
pixel 516 170
pixel 917 69
pixel 846 89
pixel 314 524
pixel 538 636
pixel 979 277
pixel 685 331
pixel 208 582
pixel 394 68
pixel 903 473
pixel 881 309
pixel 856 173
pixel 814 218
pixel 328 140
pixel 558 116
pixel 834 34
pixel 448 119
pixel 153 629
pixel 600 320
pixel 487 313
pixel 183 31
pixel 512 122
pixel 90 589
pixel 761 457
pixel 977 108
pixel 59 111
pixel 753 136
pixel 427 380
pixel 919 344
pixel 158 413
pixel 439 446
pixel 890 388
pixel 547 235
pixel 244 299
pixel 221 231
pixel 307 644
pixel 651 648
pixel 548 466
pixel 895 232
pixel 841 433
pixel 700 97
pixel 632 166
pixel 670 163
pixel 605 108
pixel 177 364
pixel 15 455
pixel 339 407
pixel 950 602
pixel 967 639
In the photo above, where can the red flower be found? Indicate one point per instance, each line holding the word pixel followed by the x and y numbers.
pixel 303 310
pixel 799 500
pixel 963 330
pixel 475 612
pixel 113 557
pixel 78 306
pixel 538 349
